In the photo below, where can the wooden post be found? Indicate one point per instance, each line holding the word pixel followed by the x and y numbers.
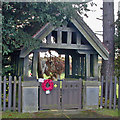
pixel 0 93
pixel 59 37
pixel 66 65
pixel 101 100
pixel 14 94
pixel 26 65
pixel 73 65
pixel 78 66
pixel 82 66
pixel 87 65
pixel 10 93
pixel 20 67
pixel 19 95
pixel 95 65
pixel 4 94
pixel 69 37
pixel 114 107
pixel 35 63
pixel 49 38
pixel 78 38
pixel 110 94
pixel 106 92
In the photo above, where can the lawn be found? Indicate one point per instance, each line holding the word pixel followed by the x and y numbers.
pixel 99 113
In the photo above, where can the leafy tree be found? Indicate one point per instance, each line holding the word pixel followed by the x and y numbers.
pixel 55 66
pixel 117 47
pixel 22 20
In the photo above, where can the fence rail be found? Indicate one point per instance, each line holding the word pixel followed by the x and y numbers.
pixel 10 93
pixel 110 92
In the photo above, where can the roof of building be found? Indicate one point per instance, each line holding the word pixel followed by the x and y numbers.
pixel 82 27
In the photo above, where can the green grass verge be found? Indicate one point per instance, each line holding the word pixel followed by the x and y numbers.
pixel 99 113
pixel 108 112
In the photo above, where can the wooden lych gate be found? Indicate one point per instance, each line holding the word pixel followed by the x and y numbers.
pixel 67 97
pixel 81 48
pixel 76 41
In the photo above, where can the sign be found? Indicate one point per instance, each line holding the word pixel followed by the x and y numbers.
pixel 41 80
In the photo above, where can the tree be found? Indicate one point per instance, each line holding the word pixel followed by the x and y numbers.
pixel 108 38
pixel 20 18
pixel 55 66
pixel 0 38
pixel 117 47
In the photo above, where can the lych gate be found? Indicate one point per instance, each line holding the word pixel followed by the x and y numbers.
pixel 77 41
pixel 81 48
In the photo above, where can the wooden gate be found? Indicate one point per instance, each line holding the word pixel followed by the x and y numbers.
pixel 67 97
pixel 52 100
pixel 71 94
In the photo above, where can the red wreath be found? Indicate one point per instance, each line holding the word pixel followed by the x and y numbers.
pixel 44 85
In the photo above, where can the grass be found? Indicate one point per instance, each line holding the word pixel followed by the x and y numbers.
pixel 108 112
pixel 99 113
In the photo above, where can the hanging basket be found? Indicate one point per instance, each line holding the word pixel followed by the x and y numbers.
pixel 44 87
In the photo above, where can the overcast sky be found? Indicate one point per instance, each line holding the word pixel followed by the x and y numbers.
pixel 95 24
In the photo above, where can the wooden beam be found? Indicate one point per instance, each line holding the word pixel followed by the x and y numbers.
pixel 66 46
pixel 95 65
pixel 87 65
pixel 26 66
pixel 40 50
pixel 20 67
pixel 74 65
pixel 78 66
pixel 67 68
pixel 69 37
pixel 65 29
pixel 35 64
pixel 59 37
pixel 82 66
pixel 87 51
pixel 49 38
pixel 78 38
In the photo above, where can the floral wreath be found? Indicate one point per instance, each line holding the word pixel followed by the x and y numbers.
pixel 44 85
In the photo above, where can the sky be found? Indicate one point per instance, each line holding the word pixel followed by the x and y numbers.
pixel 95 24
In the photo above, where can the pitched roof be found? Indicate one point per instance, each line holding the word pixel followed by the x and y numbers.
pixel 90 36
pixel 82 27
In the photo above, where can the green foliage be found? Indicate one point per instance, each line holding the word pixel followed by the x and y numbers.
pixel 21 20
pixel 117 47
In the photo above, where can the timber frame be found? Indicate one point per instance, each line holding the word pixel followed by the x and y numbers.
pixel 77 41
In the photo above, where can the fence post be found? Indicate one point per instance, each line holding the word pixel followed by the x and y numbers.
pixel 14 94
pixel 4 94
pixel 119 95
pixel 101 100
pixel 106 92
pixel 110 94
pixel 19 95
pixel 10 93
pixel 114 107
pixel 0 93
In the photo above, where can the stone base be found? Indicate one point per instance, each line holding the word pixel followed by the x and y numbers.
pixel 30 96
pixel 91 95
